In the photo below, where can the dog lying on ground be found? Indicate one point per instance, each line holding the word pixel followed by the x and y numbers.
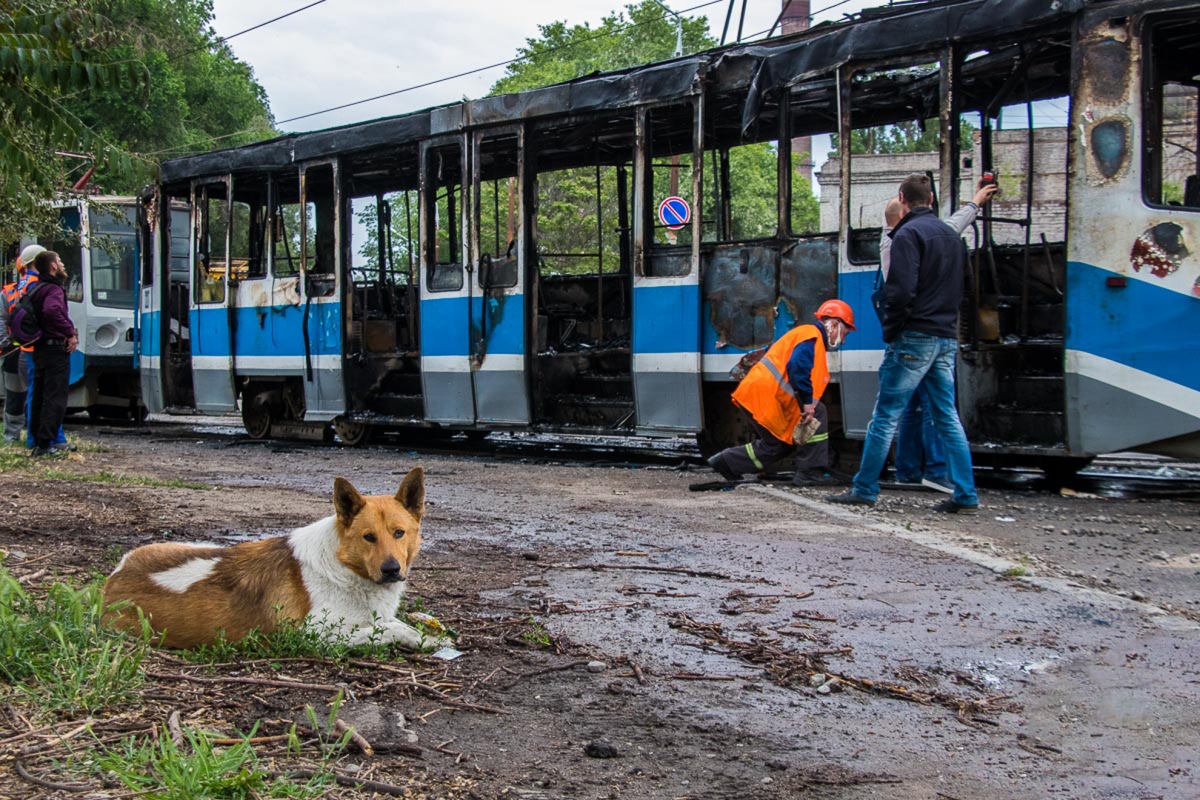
pixel 345 573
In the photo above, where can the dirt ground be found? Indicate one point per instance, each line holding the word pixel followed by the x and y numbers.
pixel 625 638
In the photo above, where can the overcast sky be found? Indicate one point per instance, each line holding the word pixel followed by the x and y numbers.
pixel 346 50
pixel 341 51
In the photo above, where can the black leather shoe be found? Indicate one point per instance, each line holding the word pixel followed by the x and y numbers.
pixel 65 447
pixel 46 452
pixel 849 499
pixel 717 462
pixel 951 507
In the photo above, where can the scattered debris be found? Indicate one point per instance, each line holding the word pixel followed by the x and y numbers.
pixel 601 749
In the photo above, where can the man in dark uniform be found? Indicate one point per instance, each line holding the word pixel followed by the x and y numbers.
pixel 51 354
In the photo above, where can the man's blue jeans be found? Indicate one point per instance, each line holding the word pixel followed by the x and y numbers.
pixel 919 451
pixel 911 359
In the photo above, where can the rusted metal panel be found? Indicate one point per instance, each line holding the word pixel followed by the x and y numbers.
pixel 298 147
pixel 739 283
pixel 808 274
pixel 447 119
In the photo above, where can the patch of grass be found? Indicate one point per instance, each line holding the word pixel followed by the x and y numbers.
pixel 57 653
pixel 1020 570
pixel 104 476
pixel 536 634
pixel 158 767
pixel 14 458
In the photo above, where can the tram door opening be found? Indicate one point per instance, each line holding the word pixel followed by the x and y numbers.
pixel 496 280
pixel 321 291
pixel 210 306
pixel 445 295
pixel 666 285
pixel 581 289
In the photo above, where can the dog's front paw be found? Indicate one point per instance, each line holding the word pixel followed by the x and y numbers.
pixel 435 643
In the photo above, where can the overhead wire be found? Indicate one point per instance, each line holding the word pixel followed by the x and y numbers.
pixel 438 80
pixel 467 73
pixel 207 45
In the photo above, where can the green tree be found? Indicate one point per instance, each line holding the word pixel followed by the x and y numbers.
pixel 904 137
pixel 125 82
pixel 641 34
pixel 197 90
pixel 49 51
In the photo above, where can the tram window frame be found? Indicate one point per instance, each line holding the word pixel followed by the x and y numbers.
pixel 602 248
pixel 281 233
pixel 246 236
pixel 1156 78
pixel 496 175
pixel 70 249
pixel 203 252
pixel 683 182
pixel 868 236
pixel 285 228
pixel 321 258
pixel 105 234
pixel 444 276
pixel 718 184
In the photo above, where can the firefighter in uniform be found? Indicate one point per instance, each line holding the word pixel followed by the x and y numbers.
pixel 783 392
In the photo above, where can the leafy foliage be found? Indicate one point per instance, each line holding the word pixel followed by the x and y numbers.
pixel 641 34
pixel 48 51
pixel 117 81
pixel 904 137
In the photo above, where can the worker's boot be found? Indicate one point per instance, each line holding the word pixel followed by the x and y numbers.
pixel 13 424
pixel 718 463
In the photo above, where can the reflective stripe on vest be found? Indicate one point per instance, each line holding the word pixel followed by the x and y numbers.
pixel 779 377
pixel 767 394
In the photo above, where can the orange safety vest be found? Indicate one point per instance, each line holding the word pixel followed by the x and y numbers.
pixel 12 294
pixel 765 391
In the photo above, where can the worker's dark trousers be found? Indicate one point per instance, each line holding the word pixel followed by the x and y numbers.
pixel 51 384
pixel 14 399
pixel 765 451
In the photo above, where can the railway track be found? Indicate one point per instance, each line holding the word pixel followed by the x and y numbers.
pixel 1120 475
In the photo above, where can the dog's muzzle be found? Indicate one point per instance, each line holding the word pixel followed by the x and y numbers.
pixel 390 572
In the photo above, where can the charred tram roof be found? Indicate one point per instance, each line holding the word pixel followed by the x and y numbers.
pixel 744 81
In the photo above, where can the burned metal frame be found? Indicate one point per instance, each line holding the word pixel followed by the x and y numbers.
pixel 980 51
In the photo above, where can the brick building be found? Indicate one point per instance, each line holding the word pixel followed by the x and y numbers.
pixel 877 177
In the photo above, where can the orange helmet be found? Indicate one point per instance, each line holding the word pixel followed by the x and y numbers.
pixel 836 309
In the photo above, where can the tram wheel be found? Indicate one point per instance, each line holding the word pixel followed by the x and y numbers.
pixel 256 418
pixel 351 432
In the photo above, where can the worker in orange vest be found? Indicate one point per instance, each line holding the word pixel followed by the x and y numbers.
pixel 15 379
pixel 782 393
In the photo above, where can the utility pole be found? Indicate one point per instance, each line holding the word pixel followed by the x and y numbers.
pixel 678 27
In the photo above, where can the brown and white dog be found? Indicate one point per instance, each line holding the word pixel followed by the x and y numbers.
pixel 345 574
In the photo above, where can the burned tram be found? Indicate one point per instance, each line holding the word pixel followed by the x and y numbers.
pixel 501 263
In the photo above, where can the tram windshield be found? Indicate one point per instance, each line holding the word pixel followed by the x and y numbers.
pixel 111 245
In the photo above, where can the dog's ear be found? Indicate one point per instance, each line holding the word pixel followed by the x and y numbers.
pixel 347 502
pixel 411 493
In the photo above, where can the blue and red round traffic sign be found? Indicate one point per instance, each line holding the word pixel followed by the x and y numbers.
pixel 674 212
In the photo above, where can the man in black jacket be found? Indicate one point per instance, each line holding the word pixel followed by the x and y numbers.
pixel 923 291
pixel 51 354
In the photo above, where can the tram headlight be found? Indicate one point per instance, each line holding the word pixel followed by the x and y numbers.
pixel 107 335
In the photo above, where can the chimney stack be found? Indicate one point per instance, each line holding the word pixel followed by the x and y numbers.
pixel 797 17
